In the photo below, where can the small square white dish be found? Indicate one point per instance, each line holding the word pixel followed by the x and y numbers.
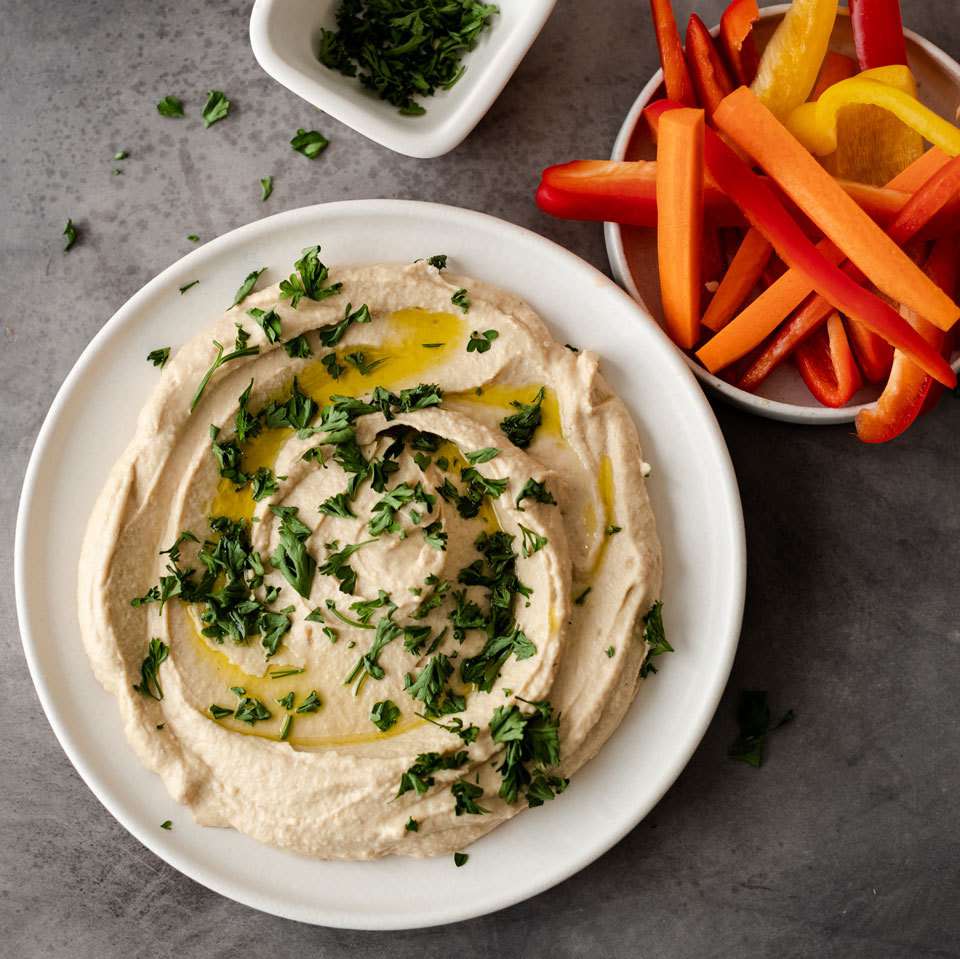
pixel 284 36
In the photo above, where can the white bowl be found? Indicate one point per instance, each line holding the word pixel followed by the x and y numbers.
pixel 284 34
pixel 692 487
pixel 632 251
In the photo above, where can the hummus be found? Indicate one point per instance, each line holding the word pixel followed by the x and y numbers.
pixel 385 577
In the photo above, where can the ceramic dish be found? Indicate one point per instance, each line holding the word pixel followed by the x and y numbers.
pixel 694 495
pixel 633 251
pixel 284 33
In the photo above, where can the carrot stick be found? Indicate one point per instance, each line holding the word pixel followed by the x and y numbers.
pixel 680 222
pixel 758 132
pixel 741 277
pixel 914 176
pixel 835 67
pixel 764 211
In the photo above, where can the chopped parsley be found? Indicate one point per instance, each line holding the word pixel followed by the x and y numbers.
pixel 332 334
pixel 170 106
pixel 285 727
pixel 311 704
pixel 434 535
pixel 220 712
pixel 369 663
pixel 519 427
pixel 609 651
pixel 384 715
pixel 309 280
pixel 753 718
pixel 166 824
pixel 250 710
pixel 412 825
pixel 192 237
pixel 268 321
pixel 466 795
pixel 461 298
pixel 337 505
pixel 655 637
pixel 363 366
pixel 612 530
pixel 532 743
pixel 535 490
pixel 291 557
pixel 481 342
pixel 121 155
pixel 240 349
pixel 581 597
pixel 460 859
pixel 298 348
pixel 216 108
pixel 482 455
pixel 310 143
pixel 71 233
pixel 438 261
pixel 159 356
pixel 149 684
pixel 430 688
pixel 337 564
pixel 286 701
pixel 420 776
pixel 266 187
pixel 188 286
pixel 246 287
pixel 285 671
pixel 403 50
pixel 532 542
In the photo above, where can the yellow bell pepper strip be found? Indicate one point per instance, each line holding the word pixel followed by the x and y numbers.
pixel 680 222
pixel 791 61
pixel 765 212
pixel 892 89
pixel 756 131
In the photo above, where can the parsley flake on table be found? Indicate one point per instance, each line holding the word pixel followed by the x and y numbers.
pixel 170 106
pixel 159 356
pixel 266 187
pixel 193 238
pixel 753 718
pixel 216 108
pixel 310 143
pixel 121 155
pixel 71 233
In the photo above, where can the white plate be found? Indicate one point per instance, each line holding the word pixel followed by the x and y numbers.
pixel 784 396
pixel 694 494
pixel 284 35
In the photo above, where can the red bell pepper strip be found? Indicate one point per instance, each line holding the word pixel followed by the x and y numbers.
pixel 736 35
pixel 745 270
pixel 764 211
pixel 909 391
pixel 826 364
pixel 874 354
pixel 618 192
pixel 878 33
pixel 676 77
pixel 708 71
pixel 835 67
pixel 924 204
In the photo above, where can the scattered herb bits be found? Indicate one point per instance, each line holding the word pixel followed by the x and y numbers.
pixel 71 233
pixel 170 107
pixel 159 357
pixel 216 108
pixel 310 143
pixel 266 188
pixel 404 49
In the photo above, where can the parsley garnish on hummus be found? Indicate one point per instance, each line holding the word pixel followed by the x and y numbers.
pixel 149 684
pixel 519 427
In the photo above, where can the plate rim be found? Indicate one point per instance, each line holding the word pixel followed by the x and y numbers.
pixel 616 256
pixel 728 632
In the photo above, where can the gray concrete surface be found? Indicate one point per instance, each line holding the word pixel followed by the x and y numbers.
pixel 846 844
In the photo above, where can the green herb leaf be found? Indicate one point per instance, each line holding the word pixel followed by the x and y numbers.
pixel 481 342
pixel 149 684
pixel 412 825
pixel 266 188
pixel 434 535
pixel 384 714
pixel 420 776
pixel 338 565
pixel 216 108
pixel 581 597
pixel 363 366
pixel 192 237
pixel 309 280
pixel 268 321
pixel 438 261
pixel 612 530
pixel 461 298
pixel 71 233
pixel 121 155
pixel 535 490
pixel 170 106
pixel 310 143
pixel 218 361
pixel 482 455
pixel 466 795
pixel 519 427
pixel 220 712
pixel 460 859
pixel 246 287
pixel 298 348
pixel 159 357
pixel 291 556
pixel 187 286
pixel 166 824
pixel 430 688
pixel 311 704
pixel 332 334
pixel 286 701
pixel 285 727
pixel 655 637
pixel 753 718
pixel 532 542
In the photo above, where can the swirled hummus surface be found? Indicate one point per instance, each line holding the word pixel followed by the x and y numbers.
pixel 384 578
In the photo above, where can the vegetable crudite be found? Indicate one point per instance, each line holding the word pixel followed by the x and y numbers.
pixel 816 230
pixel 378 536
